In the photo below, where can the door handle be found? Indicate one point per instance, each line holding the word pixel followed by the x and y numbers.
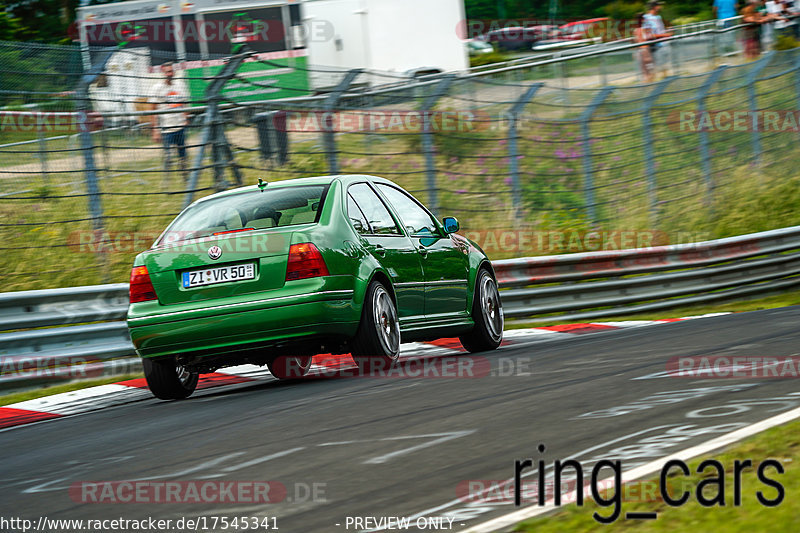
pixel 423 251
pixel 380 250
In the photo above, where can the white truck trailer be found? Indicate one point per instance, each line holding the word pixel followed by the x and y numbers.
pixel 302 46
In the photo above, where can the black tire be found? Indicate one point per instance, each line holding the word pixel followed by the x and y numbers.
pixel 289 366
pixel 376 345
pixel 167 380
pixel 487 313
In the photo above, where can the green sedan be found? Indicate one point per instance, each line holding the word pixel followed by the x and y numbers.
pixel 275 273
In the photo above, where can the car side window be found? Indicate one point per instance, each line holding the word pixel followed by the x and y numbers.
pixel 373 208
pixel 416 220
pixel 357 218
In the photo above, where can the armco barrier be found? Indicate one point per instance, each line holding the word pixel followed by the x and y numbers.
pixel 558 287
pixel 598 284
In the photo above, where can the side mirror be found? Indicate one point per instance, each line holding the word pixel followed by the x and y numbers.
pixel 450 224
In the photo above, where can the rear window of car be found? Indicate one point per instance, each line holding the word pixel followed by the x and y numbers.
pixel 248 211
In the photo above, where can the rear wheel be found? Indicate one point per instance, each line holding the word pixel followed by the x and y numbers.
pixel 167 380
pixel 376 345
pixel 487 313
pixel 289 366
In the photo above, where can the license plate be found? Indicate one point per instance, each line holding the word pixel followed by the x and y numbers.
pixel 223 274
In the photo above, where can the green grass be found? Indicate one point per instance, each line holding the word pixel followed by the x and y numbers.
pixel 781 443
pixel 16 397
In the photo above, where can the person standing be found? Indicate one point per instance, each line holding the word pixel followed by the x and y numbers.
pixel 655 28
pixel 725 11
pixel 753 15
pixel 170 128
pixel 645 56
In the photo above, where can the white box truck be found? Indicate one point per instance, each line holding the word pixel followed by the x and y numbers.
pixel 302 46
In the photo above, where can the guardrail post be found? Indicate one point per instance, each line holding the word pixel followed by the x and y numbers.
pixel 705 157
pixel 588 166
pixel 428 148
pixel 752 78
pixel 513 152
pixel 647 134
pixel 329 133
pixel 213 130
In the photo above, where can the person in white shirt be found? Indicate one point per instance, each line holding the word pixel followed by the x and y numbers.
pixel 654 25
pixel 170 128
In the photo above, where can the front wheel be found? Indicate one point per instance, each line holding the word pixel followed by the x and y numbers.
pixel 487 313
pixel 167 380
pixel 376 345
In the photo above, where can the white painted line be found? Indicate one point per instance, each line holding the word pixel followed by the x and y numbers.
pixel 443 437
pixel 640 471
pixel 260 460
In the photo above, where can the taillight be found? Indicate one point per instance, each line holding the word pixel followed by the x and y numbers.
pixel 141 288
pixel 305 261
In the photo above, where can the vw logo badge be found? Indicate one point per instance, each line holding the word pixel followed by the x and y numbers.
pixel 215 252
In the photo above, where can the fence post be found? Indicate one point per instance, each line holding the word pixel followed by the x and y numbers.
pixel 213 131
pixel 328 134
pixel 675 55
pixel 647 134
pixel 43 154
pixel 439 90
pixel 83 107
pixel 603 70
pixel 705 157
pixel 713 49
pixel 588 166
pixel 752 77
pixel 513 152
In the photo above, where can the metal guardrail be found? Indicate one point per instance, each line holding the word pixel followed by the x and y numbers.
pixel 600 284
pixel 548 288
pixel 73 351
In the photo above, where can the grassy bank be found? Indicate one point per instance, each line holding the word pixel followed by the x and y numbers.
pixel 780 443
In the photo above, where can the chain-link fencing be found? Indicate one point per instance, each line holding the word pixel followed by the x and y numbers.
pixel 529 156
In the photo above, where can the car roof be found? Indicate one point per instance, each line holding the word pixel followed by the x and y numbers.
pixel 346 179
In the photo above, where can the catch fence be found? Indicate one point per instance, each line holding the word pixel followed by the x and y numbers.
pixel 516 152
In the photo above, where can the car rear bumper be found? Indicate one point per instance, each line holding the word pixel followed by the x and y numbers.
pixel 215 330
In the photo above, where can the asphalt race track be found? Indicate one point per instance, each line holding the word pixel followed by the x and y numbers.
pixel 374 447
